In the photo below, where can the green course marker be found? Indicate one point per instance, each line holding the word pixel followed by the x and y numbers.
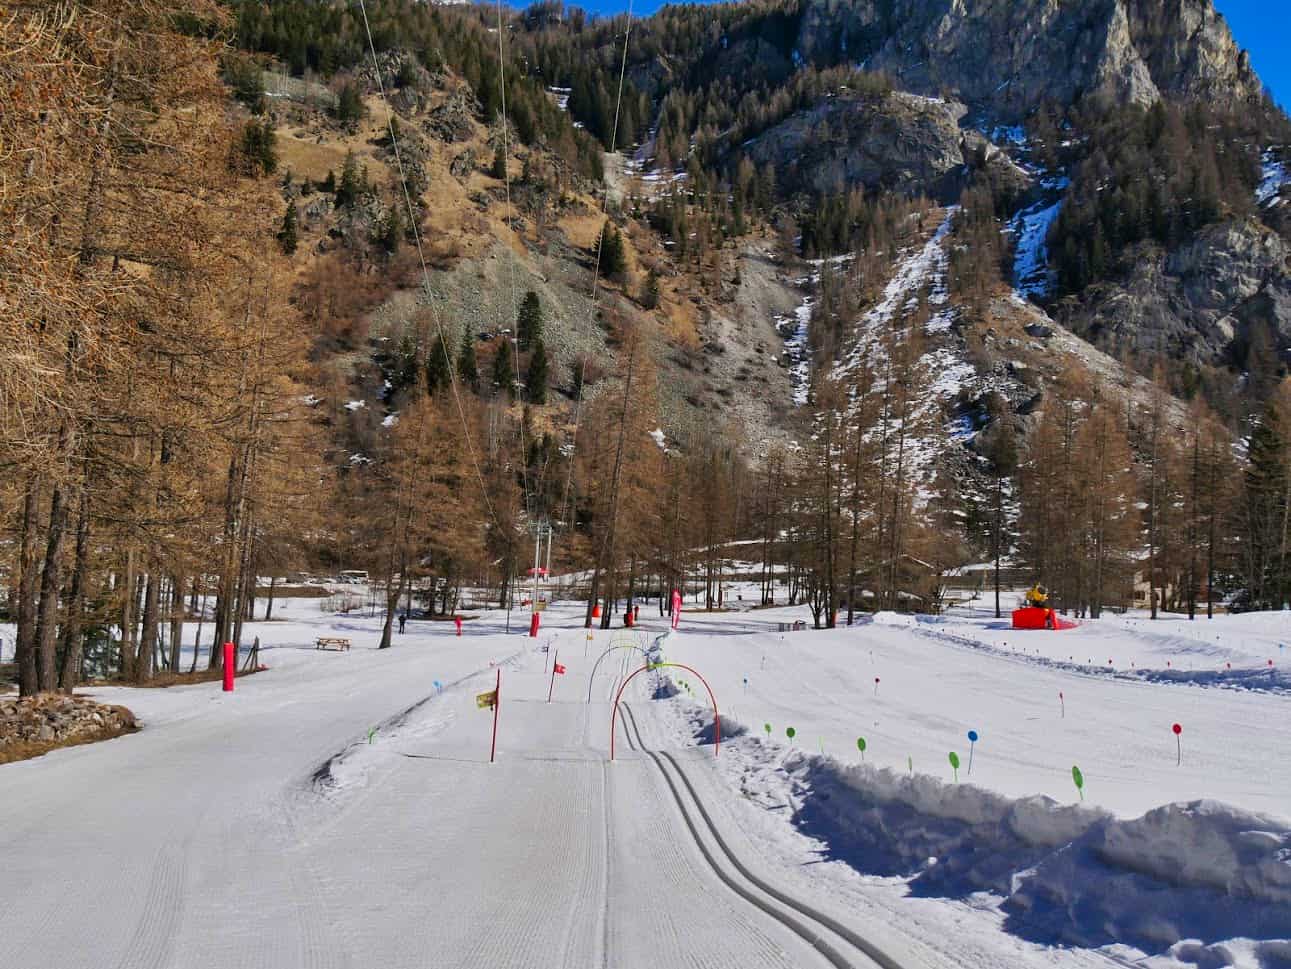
pixel 954 765
pixel 1079 780
pixel 790 732
pixel 767 728
pixel 371 732
pixel 860 745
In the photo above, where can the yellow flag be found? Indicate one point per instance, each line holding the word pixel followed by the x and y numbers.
pixel 485 701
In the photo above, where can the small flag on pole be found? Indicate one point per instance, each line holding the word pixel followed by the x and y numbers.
pixel 559 668
pixel 486 701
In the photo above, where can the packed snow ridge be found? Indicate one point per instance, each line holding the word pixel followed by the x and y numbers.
pixel 1065 874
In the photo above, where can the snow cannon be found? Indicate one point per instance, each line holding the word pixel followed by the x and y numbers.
pixel 1037 597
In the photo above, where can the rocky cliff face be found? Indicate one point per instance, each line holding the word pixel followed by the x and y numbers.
pixel 903 142
pixel 1008 56
pixel 1192 303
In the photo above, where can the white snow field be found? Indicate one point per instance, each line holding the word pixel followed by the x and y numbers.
pixel 272 828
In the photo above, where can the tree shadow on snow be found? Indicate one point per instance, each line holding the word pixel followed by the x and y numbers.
pixel 1067 875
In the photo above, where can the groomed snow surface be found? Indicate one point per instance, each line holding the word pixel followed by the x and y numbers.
pixel 338 810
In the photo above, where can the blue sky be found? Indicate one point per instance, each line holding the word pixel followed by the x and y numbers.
pixel 1261 26
pixel 1264 28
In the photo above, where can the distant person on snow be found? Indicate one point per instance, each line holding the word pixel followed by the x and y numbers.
pixel 403 619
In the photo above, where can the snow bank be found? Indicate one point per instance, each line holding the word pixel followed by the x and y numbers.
pixel 1201 871
pixel 1188 876
pixel 949 839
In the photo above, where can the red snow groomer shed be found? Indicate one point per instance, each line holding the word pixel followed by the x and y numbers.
pixel 1036 614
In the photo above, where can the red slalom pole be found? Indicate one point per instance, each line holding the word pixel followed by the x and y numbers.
pixel 553 675
pixel 497 704
pixel 230 666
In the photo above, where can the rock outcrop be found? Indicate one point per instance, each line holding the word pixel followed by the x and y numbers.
pixel 1008 56
pixel 54 720
pixel 901 142
pixel 1192 303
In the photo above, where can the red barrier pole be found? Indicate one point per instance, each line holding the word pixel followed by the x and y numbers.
pixel 553 674
pixel 533 625
pixel 497 704
pixel 230 666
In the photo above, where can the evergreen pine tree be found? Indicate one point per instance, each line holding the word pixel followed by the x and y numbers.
pixel 287 237
pixel 258 149
pixel 499 167
pixel 650 291
pixel 610 245
pixel 347 191
pixel 403 370
pixel 536 378
pixel 1265 510
pixel 438 364
pixel 349 103
pixel 529 320
pixel 503 375
pixel 391 233
pixel 466 365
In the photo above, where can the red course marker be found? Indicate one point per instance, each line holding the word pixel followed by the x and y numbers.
pixel 1178 739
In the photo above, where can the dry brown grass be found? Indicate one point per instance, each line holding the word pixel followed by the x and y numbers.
pixel 293 592
pixel 165 679
pixel 27 749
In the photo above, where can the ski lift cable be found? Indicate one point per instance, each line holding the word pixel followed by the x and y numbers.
pixel 425 271
pixel 596 270
pixel 506 177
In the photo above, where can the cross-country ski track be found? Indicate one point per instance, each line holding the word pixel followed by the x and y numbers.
pixel 339 812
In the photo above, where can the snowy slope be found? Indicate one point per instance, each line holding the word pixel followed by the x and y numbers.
pixel 271 827
pixel 1208 861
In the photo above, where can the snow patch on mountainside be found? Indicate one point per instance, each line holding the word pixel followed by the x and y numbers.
pixel 795 329
pixel 924 269
pixel 1273 175
pixel 943 374
pixel 1031 273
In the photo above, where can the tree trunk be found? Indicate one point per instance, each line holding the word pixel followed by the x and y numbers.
pixel 73 642
pixel 25 613
pixel 224 594
pixel 148 635
pixel 50 589
pixel 176 620
pixel 127 586
pixel 999 515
